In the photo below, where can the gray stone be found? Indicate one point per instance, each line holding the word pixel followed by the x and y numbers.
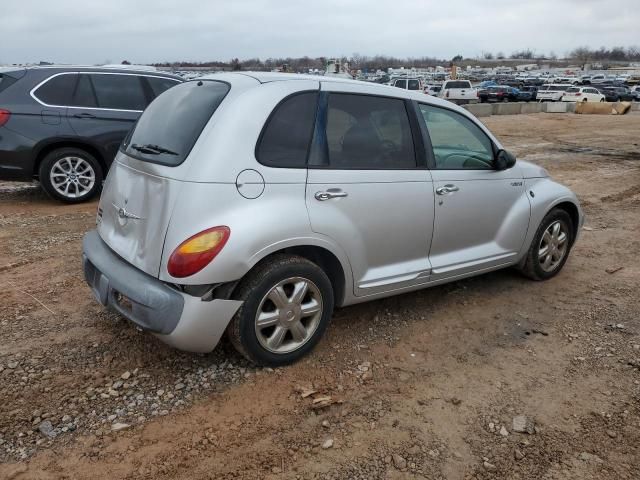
pixel 328 443
pixel 523 424
pixel 116 427
pixel 399 462
pixel 46 429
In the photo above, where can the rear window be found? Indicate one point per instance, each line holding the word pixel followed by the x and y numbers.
pixel 170 126
pixel 459 84
pixel 57 90
pixel 7 79
pixel 573 89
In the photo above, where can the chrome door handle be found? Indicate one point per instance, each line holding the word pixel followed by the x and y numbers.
pixel 446 189
pixel 328 195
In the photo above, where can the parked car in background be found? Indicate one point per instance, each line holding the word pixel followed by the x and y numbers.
pixel 408 83
pixel 522 95
pixel 533 92
pixel 459 91
pixel 63 125
pixel 616 94
pixel 582 94
pixel 498 93
pixel 635 92
pixel 189 269
pixel 551 92
pixel 432 90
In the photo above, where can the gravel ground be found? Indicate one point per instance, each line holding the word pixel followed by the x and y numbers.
pixel 490 377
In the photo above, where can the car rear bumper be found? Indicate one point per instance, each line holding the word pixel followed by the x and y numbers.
pixel 180 320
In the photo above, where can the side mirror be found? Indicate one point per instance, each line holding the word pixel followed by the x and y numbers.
pixel 504 160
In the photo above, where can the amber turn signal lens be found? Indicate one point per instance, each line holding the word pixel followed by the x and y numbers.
pixel 197 252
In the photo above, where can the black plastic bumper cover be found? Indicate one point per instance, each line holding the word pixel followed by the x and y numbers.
pixel 141 298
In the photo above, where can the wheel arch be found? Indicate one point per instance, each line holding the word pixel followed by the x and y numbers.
pixel 572 209
pixel 338 271
pixel 43 150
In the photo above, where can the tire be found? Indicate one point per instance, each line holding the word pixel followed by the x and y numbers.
pixel 585 100
pixel 533 267
pixel 78 172
pixel 256 290
pixel 601 100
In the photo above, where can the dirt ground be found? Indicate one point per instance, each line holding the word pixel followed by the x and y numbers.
pixel 423 385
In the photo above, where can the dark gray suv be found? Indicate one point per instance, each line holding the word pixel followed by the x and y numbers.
pixel 63 125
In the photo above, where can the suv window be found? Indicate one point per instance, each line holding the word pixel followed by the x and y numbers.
pixel 457 142
pixel 457 84
pixel 414 85
pixel 368 132
pixel 286 137
pixel 400 84
pixel 159 84
pixel 57 90
pixel 174 121
pixel 119 92
pixel 84 96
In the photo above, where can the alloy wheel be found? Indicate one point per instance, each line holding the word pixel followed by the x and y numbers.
pixel 553 246
pixel 288 315
pixel 72 177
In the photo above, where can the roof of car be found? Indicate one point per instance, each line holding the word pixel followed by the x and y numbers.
pixel 97 68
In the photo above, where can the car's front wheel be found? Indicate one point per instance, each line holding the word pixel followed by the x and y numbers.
pixel 287 305
pixel 550 247
pixel 70 175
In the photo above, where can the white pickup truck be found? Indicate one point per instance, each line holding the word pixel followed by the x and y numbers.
pixel 459 91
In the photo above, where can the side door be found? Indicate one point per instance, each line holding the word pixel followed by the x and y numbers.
pixel 105 106
pixel 368 187
pixel 481 214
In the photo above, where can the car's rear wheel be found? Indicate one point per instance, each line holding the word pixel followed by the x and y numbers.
pixel 287 305
pixel 550 247
pixel 70 175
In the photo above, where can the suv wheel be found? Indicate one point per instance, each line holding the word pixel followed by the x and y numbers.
pixel 550 247
pixel 288 302
pixel 71 175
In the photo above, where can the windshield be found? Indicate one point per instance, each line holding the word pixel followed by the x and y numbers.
pixel 170 126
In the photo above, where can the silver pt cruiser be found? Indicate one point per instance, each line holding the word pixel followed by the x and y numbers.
pixel 255 203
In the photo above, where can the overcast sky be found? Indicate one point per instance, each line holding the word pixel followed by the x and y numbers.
pixel 145 31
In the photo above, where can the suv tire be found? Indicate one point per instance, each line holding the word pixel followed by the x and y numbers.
pixel 70 175
pixel 294 297
pixel 550 247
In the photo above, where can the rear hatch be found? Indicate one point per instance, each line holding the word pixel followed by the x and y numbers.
pixel 140 191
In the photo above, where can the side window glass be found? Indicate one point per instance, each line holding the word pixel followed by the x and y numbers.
pixel 457 142
pixel 414 85
pixel 369 132
pixel 121 92
pixel 58 90
pixel 83 95
pixel 286 137
pixel 401 84
pixel 159 85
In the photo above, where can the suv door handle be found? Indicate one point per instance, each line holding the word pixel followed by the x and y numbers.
pixel 84 115
pixel 446 189
pixel 329 194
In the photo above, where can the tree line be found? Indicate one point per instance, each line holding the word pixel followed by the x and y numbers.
pixel 356 61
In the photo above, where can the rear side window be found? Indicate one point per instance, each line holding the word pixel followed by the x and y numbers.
pixel 84 96
pixel 459 84
pixel 57 90
pixel 159 85
pixel 168 129
pixel 119 92
pixel 414 85
pixel 401 84
pixel 369 132
pixel 286 137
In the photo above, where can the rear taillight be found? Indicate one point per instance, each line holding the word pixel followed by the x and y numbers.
pixel 4 116
pixel 578 94
pixel 196 252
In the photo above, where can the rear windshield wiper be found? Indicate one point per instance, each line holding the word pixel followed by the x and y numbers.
pixel 152 149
